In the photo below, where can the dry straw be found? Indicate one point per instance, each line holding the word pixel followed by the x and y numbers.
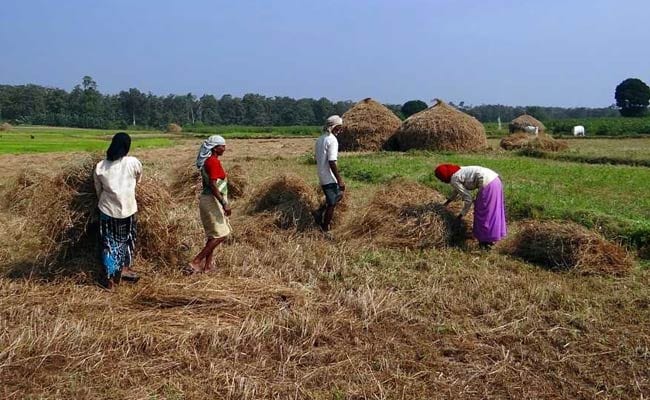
pixel 520 123
pixel 518 141
pixel 562 245
pixel 5 126
pixel 367 126
pixel 174 128
pixel 64 217
pixel 288 199
pixel 187 184
pixel 408 214
pixel 441 127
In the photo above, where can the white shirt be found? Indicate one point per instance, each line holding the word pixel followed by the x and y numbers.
pixel 470 178
pixel 115 186
pixel 327 149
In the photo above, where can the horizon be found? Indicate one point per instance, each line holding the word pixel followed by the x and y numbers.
pixel 556 54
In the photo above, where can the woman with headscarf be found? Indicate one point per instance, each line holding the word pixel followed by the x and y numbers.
pixel 115 181
pixel 213 202
pixel 489 207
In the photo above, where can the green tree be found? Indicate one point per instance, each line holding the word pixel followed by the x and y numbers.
pixel 632 97
pixel 413 106
pixel 132 103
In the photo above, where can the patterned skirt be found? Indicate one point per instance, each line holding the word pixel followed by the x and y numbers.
pixel 118 242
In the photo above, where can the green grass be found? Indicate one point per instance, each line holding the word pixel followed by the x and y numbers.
pixel 249 132
pixel 613 199
pixel 51 139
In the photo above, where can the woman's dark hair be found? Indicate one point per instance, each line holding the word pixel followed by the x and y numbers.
pixel 119 147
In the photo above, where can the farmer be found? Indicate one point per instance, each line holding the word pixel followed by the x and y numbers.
pixel 489 207
pixel 327 147
pixel 213 202
pixel 115 180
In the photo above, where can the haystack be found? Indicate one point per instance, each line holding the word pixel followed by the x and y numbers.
pixel 289 200
pixel 562 245
pixel 542 141
pixel 441 127
pixel 367 126
pixel 187 184
pixel 67 222
pixel 520 123
pixel 174 128
pixel 408 214
pixel 5 126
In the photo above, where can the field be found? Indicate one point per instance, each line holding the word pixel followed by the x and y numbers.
pixel 291 314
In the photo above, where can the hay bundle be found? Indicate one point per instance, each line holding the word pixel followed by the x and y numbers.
pixel 5 126
pixel 562 245
pixel 544 142
pixel 441 127
pixel 174 128
pixel 19 193
pixel 67 219
pixel 187 184
pixel 289 200
pixel 520 123
pixel 367 126
pixel 408 214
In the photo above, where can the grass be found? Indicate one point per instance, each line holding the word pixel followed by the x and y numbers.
pixel 254 132
pixel 51 139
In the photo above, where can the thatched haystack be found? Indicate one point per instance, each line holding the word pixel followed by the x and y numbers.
pixel 187 184
pixel 562 245
pixel 5 126
pixel 542 141
pixel 174 128
pixel 67 219
pixel 367 126
pixel 520 123
pixel 289 200
pixel 441 127
pixel 408 214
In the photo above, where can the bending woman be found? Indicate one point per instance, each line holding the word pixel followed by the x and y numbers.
pixel 115 181
pixel 213 203
pixel 489 207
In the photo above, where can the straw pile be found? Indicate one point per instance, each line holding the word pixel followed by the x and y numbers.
pixel 520 123
pixel 5 126
pixel 367 126
pixel 518 141
pixel 562 245
pixel 174 128
pixel 441 127
pixel 289 200
pixel 408 214
pixel 66 221
pixel 187 184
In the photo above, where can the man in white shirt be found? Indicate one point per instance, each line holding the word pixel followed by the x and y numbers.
pixel 326 151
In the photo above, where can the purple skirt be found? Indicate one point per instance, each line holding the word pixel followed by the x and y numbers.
pixel 490 213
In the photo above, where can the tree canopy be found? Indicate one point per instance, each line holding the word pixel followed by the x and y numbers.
pixel 412 107
pixel 632 97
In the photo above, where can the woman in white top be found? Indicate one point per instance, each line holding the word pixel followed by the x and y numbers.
pixel 115 181
pixel 489 207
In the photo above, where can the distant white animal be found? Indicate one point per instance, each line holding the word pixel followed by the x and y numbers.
pixel 578 130
pixel 533 130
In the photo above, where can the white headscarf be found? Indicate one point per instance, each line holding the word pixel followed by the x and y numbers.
pixel 206 149
pixel 331 123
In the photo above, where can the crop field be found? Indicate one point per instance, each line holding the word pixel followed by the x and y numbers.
pixel 290 313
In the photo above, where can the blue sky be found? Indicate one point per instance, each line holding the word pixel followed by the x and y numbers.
pixel 553 53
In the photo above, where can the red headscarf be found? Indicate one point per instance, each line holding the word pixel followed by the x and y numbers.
pixel 445 171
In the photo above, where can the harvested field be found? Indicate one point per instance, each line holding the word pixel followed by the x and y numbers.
pixel 293 314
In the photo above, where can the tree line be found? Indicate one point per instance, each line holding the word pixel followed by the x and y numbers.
pixel 86 107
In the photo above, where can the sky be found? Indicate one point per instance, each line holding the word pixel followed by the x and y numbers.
pixel 567 53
